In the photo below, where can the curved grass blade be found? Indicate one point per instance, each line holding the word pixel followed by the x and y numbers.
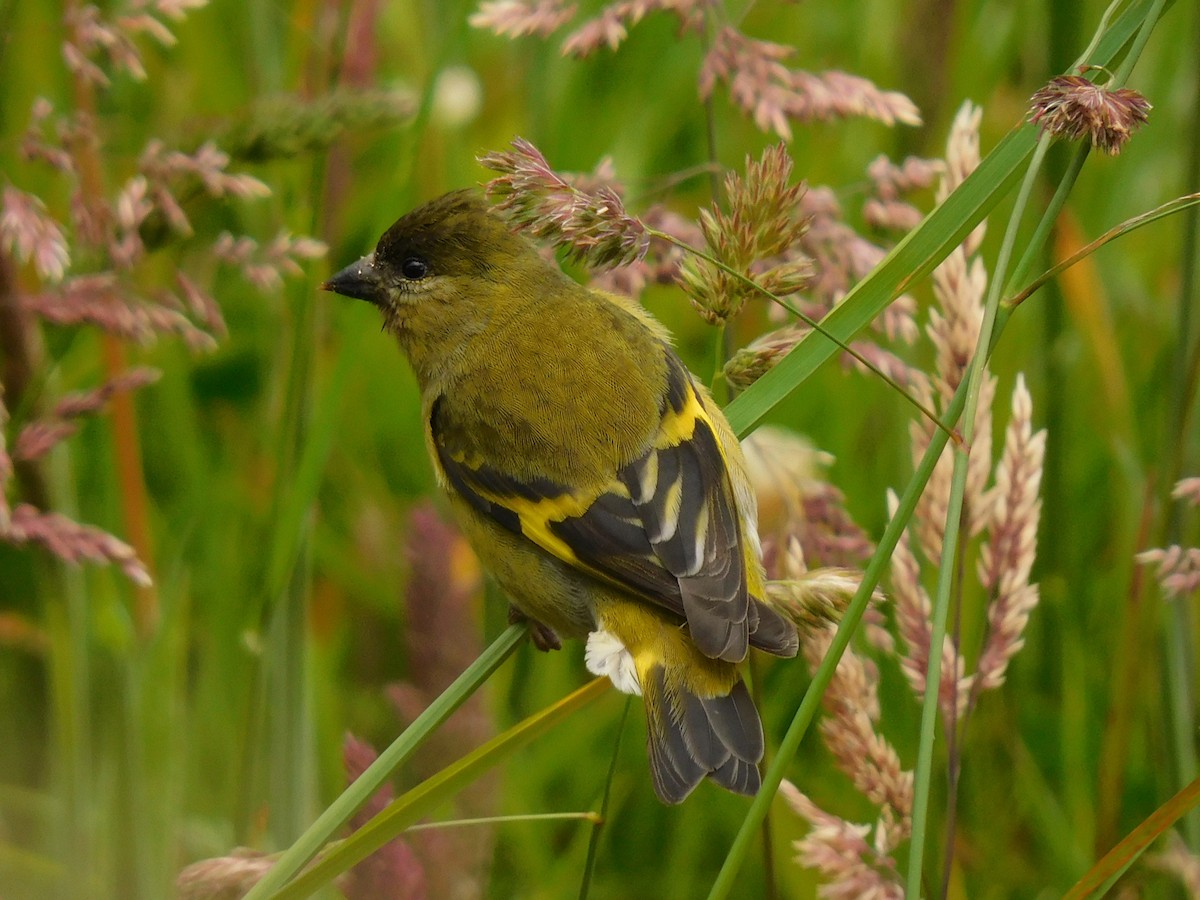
pixel 339 812
pixel 1113 864
pixel 918 253
pixel 1159 212
pixel 405 810
pixel 589 865
pixel 912 258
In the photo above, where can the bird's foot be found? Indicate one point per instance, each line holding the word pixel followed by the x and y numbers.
pixel 544 637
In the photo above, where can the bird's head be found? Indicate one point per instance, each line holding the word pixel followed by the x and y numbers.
pixel 438 259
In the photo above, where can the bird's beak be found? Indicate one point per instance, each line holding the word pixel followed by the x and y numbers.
pixel 358 280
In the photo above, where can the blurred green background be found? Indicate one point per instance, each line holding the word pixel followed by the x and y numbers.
pixel 284 468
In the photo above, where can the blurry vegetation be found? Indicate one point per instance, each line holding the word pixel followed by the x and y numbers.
pixel 305 588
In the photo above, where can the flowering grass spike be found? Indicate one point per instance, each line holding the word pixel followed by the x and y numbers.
pixel 1073 108
pixel 589 221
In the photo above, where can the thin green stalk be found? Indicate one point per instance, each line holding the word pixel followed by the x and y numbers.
pixel 70 667
pixel 1139 43
pixel 589 865
pixel 1041 234
pixel 68 623
pixel 339 812
pixel 135 805
pixel 922 778
pixel 1180 676
pixel 1181 627
pixel 291 787
pixel 771 887
pixel 430 793
pixel 808 320
pixel 933 673
pixel 941 603
pixel 1132 224
pixel 955 728
pixel 588 816
pixel 291 774
pixel 719 386
pixel 1101 27
pixel 724 882
pixel 1188 263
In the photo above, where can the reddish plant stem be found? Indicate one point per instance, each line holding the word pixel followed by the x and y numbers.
pixel 134 499
pixel 126 445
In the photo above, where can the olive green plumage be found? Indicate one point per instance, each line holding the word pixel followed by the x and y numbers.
pixel 593 476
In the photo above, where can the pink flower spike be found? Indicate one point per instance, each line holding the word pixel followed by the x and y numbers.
pixel 31 234
pixel 1072 107
pixel 515 18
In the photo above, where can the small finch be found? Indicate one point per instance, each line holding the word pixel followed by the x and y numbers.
pixel 593 475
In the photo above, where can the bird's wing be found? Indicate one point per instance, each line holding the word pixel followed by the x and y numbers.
pixel 665 528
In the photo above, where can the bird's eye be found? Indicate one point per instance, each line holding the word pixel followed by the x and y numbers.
pixel 414 268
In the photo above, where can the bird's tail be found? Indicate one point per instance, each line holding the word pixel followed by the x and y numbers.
pixel 700 720
pixel 690 737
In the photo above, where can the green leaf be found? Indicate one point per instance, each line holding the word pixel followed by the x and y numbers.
pixel 1104 874
pixel 404 811
pixel 917 254
pixel 340 811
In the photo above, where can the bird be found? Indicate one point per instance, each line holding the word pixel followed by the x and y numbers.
pixel 592 474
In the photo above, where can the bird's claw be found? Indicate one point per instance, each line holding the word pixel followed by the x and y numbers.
pixel 544 637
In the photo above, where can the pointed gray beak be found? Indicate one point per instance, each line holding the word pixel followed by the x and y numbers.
pixel 358 280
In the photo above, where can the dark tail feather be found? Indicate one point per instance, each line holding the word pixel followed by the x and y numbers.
pixel 735 723
pixel 691 737
pixel 674 768
pixel 773 634
pixel 738 776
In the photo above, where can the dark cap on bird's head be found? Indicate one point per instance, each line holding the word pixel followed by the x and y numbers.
pixel 455 235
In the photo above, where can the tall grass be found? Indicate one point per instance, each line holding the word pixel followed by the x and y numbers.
pixel 277 476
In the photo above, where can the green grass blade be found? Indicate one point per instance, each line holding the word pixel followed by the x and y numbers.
pixel 1108 869
pixel 291 775
pixel 339 812
pixel 427 796
pixel 941 604
pixel 917 254
pixel 589 865
pixel 1179 204
pixel 305 480
pixel 723 884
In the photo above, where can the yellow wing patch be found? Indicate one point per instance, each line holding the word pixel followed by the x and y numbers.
pixel 665 528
